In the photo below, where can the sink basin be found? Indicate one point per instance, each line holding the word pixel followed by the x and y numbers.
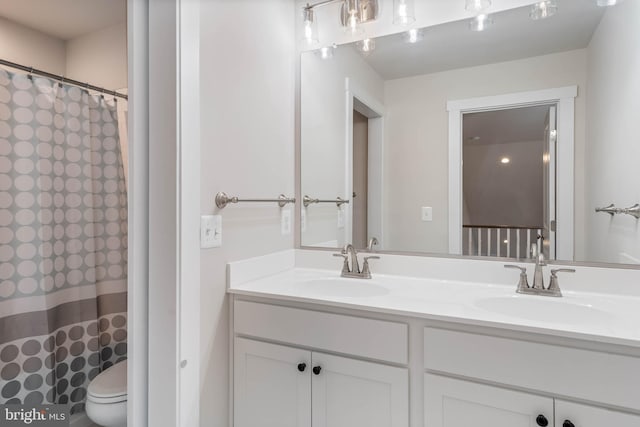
pixel 544 309
pixel 342 287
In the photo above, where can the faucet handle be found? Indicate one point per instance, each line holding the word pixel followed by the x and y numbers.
pixel 345 265
pixel 366 272
pixel 553 285
pixel 523 283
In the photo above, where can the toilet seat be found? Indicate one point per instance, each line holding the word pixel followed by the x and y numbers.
pixel 110 386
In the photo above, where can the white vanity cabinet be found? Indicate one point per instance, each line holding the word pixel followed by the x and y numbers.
pixel 569 414
pixel 283 385
pixel 452 402
pixel 455 403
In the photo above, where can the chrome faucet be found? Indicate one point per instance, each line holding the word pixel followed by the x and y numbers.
pixel 372 242
pixel 353 270
pixel 538 255
pixel 552 291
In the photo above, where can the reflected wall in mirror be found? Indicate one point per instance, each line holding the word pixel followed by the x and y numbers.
pixel 478 143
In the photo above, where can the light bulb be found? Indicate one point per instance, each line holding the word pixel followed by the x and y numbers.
pixel 505 160
pixel 543 9
pixel 403 12
pixel 480 23
pixel 366 46
pixel 326 52
pixel 309 31
pixel 414 35
pixel 477 5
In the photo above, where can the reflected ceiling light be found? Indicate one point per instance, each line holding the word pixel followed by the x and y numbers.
pixel 505 241
pixel 480 22
pixel 366 46
pixel 543 9
pixel 326 52
pixel 414 35
pixel 310 30
pixel 403 12
pixel 477 5
pixel 605 3
pixel 474 138
pixel 505 160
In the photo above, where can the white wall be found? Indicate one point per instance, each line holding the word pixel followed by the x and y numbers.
pixel 417 139
pixel 99 57
pixel 31 48
pixel 324 125
pixel 248 62
pixel 613 129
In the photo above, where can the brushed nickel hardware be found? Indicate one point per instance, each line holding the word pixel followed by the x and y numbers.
pixel 611 209
pixel 339 201
pixel 352 269
pixel 372 242
pixel 553 285
pixel 523 284
pixel 538 287
pixel 222 200
pixel 634 210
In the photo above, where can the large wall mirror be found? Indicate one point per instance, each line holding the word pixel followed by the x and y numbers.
pixel 449 140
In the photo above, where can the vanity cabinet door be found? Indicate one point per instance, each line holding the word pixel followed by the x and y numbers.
pixel 455 403
pixel 272 385
pixel 348 393
pixel 570 414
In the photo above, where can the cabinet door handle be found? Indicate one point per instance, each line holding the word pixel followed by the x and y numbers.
pixel 302 367
pixel 316 370
pixel 568 423
pixel 542 421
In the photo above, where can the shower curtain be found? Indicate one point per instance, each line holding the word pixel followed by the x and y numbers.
pixel 63 241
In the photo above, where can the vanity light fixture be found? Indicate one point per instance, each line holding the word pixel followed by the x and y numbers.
pixel 480 22
pixel 352 14
pixel 366 46
pixel 414 35
pixel 543 9
pixel 505 160
pixel 477 5
pixel 310 31
pixel 403 12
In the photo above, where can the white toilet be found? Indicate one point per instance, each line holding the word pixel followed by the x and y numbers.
pixel 107 397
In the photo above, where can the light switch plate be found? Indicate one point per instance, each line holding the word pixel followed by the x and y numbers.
pixel 210 231
pixel 427 213
pixel 285 222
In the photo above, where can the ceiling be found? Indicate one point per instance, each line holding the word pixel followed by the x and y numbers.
pixel 512 36
pixel 65 19
pixel 505 126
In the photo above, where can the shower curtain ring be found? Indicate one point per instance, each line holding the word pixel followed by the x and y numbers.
pixel 30 76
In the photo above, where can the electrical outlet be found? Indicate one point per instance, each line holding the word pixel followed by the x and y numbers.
pixel 427 213
pixel 210 231
pixel 285 222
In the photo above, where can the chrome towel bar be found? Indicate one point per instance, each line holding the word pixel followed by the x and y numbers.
pixel 306 201
pixel 222 200
pixel 634 210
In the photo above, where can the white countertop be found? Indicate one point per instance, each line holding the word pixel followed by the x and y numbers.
pixel 599 317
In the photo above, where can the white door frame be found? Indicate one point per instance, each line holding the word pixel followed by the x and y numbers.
pixel 164 203
pixel 374 110
pixel 564 97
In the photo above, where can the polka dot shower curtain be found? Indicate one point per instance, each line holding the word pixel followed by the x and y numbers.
pixel 63 240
